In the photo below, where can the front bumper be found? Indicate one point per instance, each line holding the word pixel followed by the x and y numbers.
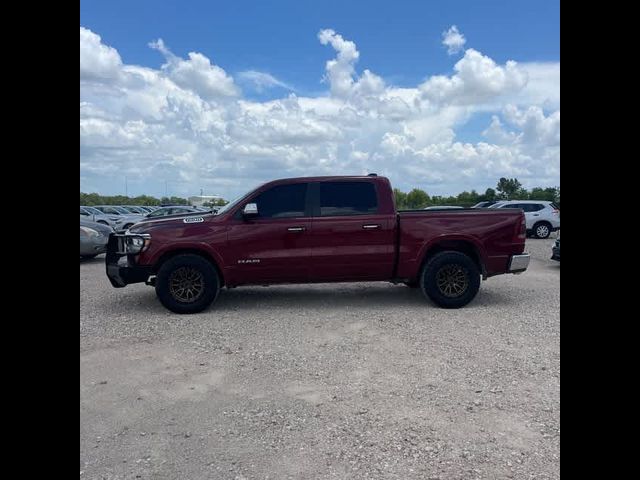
pixel 519 263
pixel 121 270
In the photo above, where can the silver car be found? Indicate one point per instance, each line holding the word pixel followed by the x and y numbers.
pixel 443 207
pixel 124 218
pixel 95 215
pixel 135 209
pixel 175 210
pixel 93 238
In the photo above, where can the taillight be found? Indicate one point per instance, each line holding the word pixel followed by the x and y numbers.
pixel 522 232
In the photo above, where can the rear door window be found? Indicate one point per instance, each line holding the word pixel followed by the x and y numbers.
pixel 347 198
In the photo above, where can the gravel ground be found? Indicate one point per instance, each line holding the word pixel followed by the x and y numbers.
pixel 362 380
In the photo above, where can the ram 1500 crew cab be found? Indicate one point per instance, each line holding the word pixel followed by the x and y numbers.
pixel 319 229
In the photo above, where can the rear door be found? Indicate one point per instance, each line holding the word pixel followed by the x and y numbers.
pixel 274 247
pixel 350 239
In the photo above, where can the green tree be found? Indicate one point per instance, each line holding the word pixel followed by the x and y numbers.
pixel 508 187
pixel 417 198
pixel 490 194
pixel 467 199
pixel 548 194
pixel 520 194
pixel 401 199
pixel 216 202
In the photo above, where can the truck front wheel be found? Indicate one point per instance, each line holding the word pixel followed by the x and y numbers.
pixel 187 284
pixel 450 279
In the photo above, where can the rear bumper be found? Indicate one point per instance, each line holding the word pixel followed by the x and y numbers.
pixel 519 263
pixel 120 269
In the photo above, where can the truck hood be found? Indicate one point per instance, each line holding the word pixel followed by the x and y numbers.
pixel 169 222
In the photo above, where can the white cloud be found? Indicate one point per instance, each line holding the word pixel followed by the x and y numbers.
pixel 262 80
pixel 477 79
pixel 340 70
pixel 453 40
pixel 97 61
pixel 187 123
pixel 197 74
pixel 543 85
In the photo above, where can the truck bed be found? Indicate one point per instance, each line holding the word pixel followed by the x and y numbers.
pixel 488 233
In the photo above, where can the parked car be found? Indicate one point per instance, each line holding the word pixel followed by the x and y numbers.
pixel 485 204
pixel 95 215
pixel 124 218
pixel 165 211
pixel 555 250
pixel 442 207
pixel 543 217
pixel 93 238
pixel 135 209
pixel 318 229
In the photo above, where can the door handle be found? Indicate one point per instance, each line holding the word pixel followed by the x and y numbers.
pixel 536 214
pixel 371 226
pixel 296 229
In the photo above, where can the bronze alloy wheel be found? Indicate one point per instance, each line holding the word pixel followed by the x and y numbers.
pixel 186 284
pixel 452 280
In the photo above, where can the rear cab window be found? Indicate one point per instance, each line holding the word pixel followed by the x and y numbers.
pixel 347 198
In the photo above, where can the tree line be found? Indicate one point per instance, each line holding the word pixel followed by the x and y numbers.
pixel 90 199
pixel 506 189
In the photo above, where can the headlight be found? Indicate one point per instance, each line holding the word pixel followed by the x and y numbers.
pixel 136 243
pixel 88 232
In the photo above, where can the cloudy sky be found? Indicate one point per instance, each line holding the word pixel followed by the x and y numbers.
pixel 222 96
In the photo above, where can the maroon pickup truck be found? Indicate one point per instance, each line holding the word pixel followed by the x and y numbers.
pixel 319 229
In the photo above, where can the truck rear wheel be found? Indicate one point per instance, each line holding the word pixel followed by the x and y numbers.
pixel 187 284
pixel 450 279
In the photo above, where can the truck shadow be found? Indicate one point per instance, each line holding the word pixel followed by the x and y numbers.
pixel 332 296
pixel 98 259
pixel 302 297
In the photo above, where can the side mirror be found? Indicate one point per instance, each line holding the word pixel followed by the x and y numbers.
pixel 250 210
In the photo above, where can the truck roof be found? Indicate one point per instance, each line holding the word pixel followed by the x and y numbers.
pixel 326 178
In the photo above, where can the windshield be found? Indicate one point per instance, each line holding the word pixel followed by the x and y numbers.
pixel 94 211
pixel 121 210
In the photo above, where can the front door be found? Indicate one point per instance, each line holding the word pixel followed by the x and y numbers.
pixel 272 247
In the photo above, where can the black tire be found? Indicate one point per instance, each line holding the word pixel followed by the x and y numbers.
pixel 187 268
pixel 542 230
pixel 415 284
pixel 88 257
pixel 458 291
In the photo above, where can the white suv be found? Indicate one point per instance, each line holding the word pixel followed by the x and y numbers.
pixel 542 217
